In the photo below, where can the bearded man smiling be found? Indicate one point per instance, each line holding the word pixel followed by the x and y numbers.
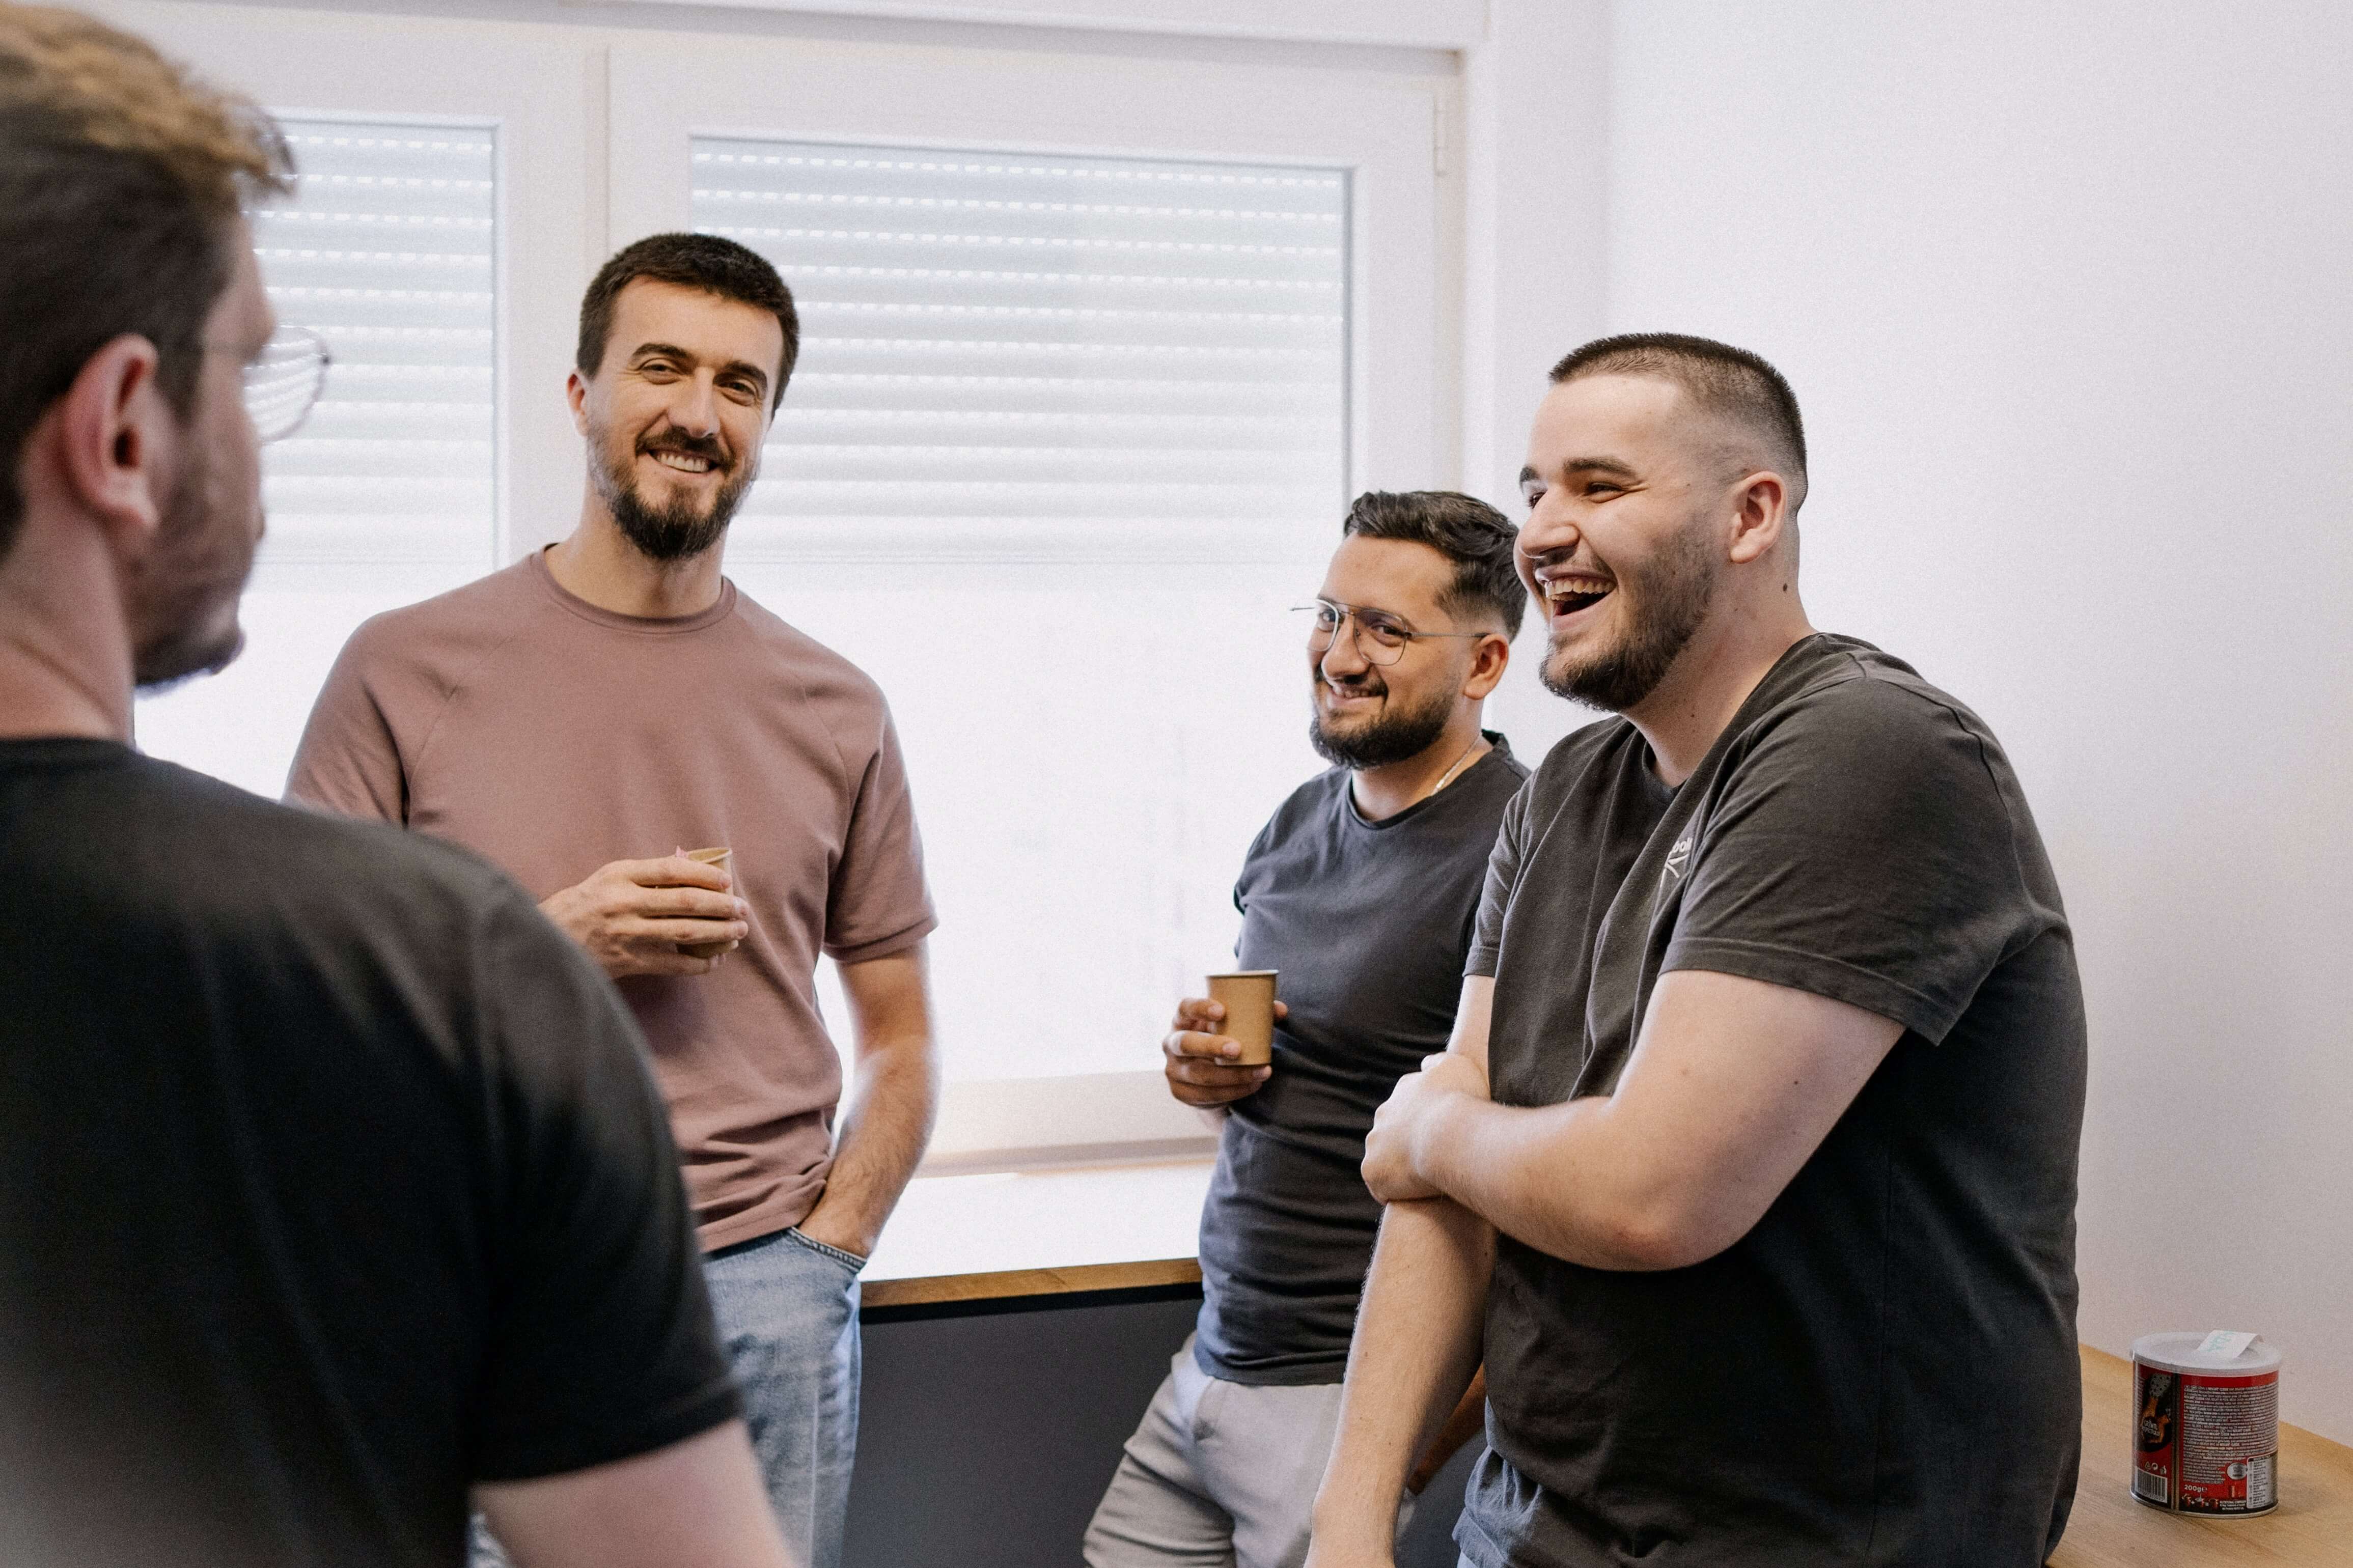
pixel 580 716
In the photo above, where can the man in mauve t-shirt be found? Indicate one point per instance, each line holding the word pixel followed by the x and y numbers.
pixel 585 715
pixel 335 1197
pixel 1751 1170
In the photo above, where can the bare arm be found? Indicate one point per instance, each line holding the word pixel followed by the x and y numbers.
pixel 886 1120
pixel 1415 1352
pixel 698 1503
pixel 1731 1088
pixel 1469 1420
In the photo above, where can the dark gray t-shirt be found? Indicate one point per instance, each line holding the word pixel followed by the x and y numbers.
pixel 333 1182
pixel 1369 923
pixel 1883 1371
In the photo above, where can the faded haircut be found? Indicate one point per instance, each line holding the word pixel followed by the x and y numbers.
pixel 121 179
pixel 717 267
pixel 1465 529
pixel 1732 383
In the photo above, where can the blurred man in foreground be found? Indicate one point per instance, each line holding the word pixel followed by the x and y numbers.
pixel 333 1188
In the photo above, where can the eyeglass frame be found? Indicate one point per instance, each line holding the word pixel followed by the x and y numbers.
pixel 315 352
pixel 1347 614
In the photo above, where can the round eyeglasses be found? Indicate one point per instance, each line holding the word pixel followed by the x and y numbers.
pixel 1379 638
pixel 283 382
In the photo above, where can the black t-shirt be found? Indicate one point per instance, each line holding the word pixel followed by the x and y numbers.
pixel 1370 924
pixel 1884 1370
pixel 332 1181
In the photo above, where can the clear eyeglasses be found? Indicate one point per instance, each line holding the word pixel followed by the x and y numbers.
pixel 283 384
pixel 1379 638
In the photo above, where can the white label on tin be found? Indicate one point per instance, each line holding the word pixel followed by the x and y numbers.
pixel 2224 1344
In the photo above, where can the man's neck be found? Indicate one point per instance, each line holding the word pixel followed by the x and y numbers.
pixel 597 564
pixel 1711 678
pixel 64 654
pixel 1381 793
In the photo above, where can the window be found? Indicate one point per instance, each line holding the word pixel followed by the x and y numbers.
pixel 1106 356
pixel 1094 352
pixel 388 492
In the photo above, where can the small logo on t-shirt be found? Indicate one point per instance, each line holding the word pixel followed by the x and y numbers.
pixel 1677 857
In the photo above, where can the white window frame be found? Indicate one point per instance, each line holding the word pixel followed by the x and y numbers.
pixel 1401 410
pixel 549 228
pixel 1401 407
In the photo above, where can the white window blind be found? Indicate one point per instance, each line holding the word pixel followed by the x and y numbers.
pixel 388 492
pixel 1093 356
pixel 389 251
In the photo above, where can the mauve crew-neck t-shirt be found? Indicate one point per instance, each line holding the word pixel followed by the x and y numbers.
pixel 553 737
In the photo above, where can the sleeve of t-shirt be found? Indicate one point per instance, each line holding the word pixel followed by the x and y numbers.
pixel 349 760
pixel 600 1343
pixel 1496 898
pixel 878 904
pixel 1864 852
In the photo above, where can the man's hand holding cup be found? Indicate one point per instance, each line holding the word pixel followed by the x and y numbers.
pixel 637 917
pixel 1203 1065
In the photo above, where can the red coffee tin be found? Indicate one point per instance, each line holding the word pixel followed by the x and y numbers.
pixel 2205 1423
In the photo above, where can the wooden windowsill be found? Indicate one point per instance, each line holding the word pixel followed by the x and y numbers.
pixel 1030 1284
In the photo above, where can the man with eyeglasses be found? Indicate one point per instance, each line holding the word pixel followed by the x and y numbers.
pixel 334 1195
pixel 1360 891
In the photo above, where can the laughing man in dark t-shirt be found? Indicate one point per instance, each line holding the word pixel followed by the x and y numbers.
pixel 1361 891
pixel 1751 1171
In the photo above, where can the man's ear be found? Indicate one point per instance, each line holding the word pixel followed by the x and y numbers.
pixel 1760 513
pixel 111 440
pixel 576 393
pixel 1490 657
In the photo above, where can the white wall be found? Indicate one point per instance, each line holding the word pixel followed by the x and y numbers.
pixel 2063 292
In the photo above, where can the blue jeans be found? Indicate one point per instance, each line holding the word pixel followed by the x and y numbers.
pixel 788 1313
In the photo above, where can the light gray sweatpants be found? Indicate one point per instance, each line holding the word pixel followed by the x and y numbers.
pixel 1220 1475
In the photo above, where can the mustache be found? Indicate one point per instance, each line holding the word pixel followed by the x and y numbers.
pixel 708 447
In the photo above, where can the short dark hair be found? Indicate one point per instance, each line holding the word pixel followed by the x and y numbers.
pixel 120 181
pixel 1465 529
pixel 1733 382
pixel 704 261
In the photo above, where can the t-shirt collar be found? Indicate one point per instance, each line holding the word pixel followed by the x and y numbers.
pixel 648 626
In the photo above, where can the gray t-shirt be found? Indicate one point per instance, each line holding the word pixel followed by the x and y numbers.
pixel 1369 923
pixel 1884 1370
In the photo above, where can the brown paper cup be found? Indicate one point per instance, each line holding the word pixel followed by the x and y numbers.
pixel 724 858
pixel 1249 998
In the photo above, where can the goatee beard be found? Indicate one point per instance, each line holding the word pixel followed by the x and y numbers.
pixel 1394 737
pixel 1668 601
pixel 676 532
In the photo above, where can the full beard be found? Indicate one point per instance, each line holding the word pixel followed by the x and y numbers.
pixel 182 604
pixel 1395 735
pixel 676 530
pixel 1668 601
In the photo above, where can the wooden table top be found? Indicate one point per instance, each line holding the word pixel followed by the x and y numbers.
pixel 2312 1527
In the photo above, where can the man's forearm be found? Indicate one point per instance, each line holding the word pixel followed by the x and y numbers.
pixel 885 1125
pixel 1540 1175
pixel 1416 1347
